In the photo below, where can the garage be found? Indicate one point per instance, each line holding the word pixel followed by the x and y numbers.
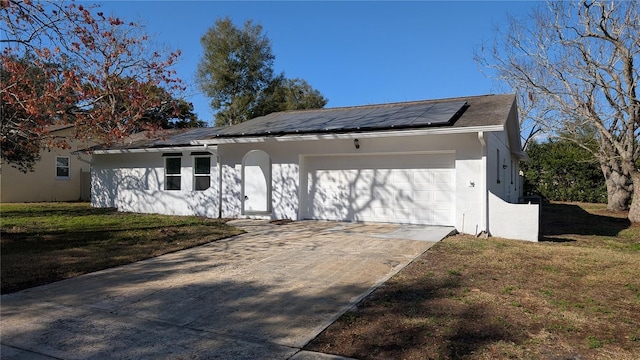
pixel 400 188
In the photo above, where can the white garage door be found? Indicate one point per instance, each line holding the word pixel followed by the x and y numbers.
pixel 415 189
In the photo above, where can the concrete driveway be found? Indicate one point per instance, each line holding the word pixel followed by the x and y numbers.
pixel 264 294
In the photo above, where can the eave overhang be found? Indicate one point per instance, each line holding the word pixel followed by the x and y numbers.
pixel 202 147
pixel 346 135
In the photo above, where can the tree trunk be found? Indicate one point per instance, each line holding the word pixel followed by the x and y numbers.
pixel 634 210
pixel 618 187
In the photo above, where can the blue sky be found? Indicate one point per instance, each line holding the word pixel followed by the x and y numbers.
pixel 354 53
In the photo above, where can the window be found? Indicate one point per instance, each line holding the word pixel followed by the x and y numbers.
pixel 201 173
pixel 498 165
pixel 172 176
pixel 62 167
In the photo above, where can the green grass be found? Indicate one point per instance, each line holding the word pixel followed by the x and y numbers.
pixel 42 243
pixel 576 294
pixel 594 343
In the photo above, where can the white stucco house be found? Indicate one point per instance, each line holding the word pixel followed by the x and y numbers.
pixel 450 162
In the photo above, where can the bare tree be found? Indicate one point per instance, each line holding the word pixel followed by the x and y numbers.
pixel 576 63
pixel 527 112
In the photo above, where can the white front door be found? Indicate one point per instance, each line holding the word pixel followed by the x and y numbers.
pixel 256 181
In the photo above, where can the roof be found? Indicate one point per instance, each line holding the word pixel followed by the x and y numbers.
pixel 361 118
pixel 455 113
pixel 475 113
pixel 161 139
pixel 59 127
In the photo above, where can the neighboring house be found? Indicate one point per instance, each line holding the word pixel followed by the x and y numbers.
pixel 59 175
pixel 451 162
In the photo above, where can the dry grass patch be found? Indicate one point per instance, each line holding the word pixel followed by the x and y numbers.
pixel 42 243
pixel 576 295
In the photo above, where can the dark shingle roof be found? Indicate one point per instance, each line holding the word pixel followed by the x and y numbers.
pixel 473 111
pixel 362 118
pixel 161 139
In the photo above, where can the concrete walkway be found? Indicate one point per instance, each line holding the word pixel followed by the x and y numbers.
pixel 264 294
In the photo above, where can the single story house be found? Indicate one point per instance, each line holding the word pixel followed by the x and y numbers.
pixel 59 175
pixel 450 162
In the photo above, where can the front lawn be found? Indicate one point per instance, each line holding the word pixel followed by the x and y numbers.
pixel 42 243
pixel 575 295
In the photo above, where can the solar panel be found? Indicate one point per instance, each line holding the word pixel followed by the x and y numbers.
pixel 439 113
pixel 351 119
pixel 347 118
pixel 189 135
pixel 261 125
pixel 375 118
pixel 185 137
pixel 407 115
pixel 311 123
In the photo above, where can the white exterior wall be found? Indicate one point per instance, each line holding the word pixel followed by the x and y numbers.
pixel 505 217
pixel 285 178
pixel 501 181
pixel 513 221
pixel 469 189
pixel 135 182
pixel 288 164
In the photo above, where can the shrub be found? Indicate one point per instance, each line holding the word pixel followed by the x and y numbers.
pixel 562 171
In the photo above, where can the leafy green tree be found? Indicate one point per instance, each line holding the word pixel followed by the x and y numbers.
pixel 561 170
pixel 171 113
pixel 288 94
pixel 237 73
pixel 183 116
pixel 237 66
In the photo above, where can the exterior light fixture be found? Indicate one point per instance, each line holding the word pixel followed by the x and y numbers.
pixel 356 143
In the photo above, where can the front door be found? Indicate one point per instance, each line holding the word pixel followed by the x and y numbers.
pixel 256 180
